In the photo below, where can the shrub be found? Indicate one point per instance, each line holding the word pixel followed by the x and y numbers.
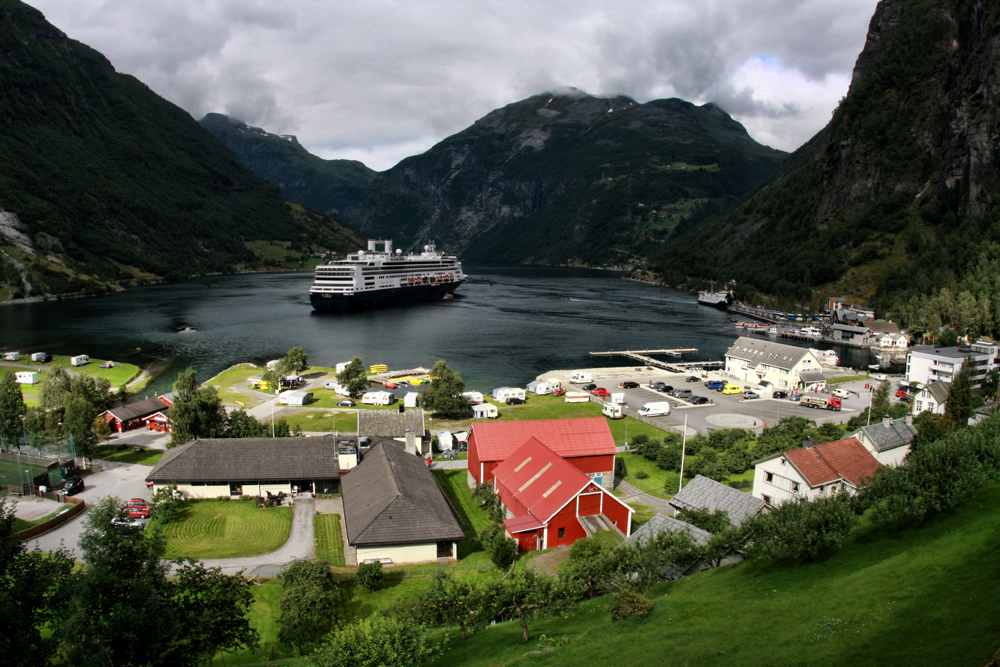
pixel 376 640
pixel 626 605
pixel 641 474
pixel 370 575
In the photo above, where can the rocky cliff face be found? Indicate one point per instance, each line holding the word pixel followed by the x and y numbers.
pixel 327 186
pixel 566 177
pixel 897 196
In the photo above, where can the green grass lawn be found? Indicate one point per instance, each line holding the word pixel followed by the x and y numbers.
pixel 226 529
pixel 264 619
pixel 924 596
pixel 117 376
pixel 329 540
pixel 343 421
pixel 149 457
pixel 634 428
pixel 21 524
pixel 453 482
pixel 609 538
pixel 14 473
pixel 847 378
pixel 656 484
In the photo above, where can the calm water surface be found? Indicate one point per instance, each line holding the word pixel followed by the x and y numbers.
pixel 506 325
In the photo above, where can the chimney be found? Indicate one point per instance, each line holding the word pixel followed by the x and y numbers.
pixel 887 421
pixel 908 420
pixel 411 442
pixel 807 442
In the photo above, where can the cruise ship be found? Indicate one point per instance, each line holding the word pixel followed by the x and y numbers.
pixel 380 276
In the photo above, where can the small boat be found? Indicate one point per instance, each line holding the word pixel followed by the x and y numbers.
pixel 448 296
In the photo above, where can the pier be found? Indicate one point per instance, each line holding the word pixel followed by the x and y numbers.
pixel 672 366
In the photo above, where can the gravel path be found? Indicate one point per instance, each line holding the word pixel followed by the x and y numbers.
pixel 640 497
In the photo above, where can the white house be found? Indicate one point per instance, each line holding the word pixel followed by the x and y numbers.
pixel 813 471
pixel 931 398
pixel 926 364
pixel 753 361
pixel 26 377
pixel 889 440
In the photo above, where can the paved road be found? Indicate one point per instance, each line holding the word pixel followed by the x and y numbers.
pixel 639 497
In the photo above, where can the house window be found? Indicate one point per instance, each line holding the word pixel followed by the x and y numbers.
pixel 766 498
pixel 782 461
pixel 795 487
pixel 562 533
pixel 768 476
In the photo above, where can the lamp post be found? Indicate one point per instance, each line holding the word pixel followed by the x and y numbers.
pixel 30 490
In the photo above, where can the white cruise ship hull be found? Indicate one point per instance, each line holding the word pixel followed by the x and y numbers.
pixel 384 297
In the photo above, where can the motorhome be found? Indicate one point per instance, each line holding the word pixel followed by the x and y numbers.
pixel 613 410
pixel 26 377
pixel 12 356
pixel 80 360
pixel 579 377
pixel 336 387
pixel 501 394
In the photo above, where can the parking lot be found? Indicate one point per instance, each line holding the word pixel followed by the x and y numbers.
pixel 722 411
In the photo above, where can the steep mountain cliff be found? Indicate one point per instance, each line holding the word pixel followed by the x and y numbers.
pixel 566 177
pixel 895 200
pixel 102 182
pixel 327 186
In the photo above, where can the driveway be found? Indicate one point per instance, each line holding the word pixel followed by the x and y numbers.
pixel 637 496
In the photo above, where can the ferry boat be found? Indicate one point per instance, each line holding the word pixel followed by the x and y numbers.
pixel 380 276
pixel 721 299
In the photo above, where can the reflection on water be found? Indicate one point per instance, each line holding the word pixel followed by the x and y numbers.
pixel 506 325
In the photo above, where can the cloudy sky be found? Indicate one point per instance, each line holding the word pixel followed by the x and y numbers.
pixel 378 80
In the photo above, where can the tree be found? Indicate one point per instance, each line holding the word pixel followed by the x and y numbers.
pixel 12 410
pixel 293 362
pixel 711 521
pixel 526 595
pixel 197 411
pixel 444 396
pixel 801 528
pixel 78 422
pixel 881 400
pixel 642 563
pixel 501 549
pixel 166 503
pixel 32 592
pixel 370 576
pixel 958 409
pixel 308 603
pixel 375 641
pixel 242 425
pixel 489 502
pixel 213 610
pixel 991 382
pixel 590 565
pixel 450 602
pixel 353 378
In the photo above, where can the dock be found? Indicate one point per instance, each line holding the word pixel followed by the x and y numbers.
pixel 672 366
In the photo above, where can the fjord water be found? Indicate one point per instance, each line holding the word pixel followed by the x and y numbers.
pixel 506 325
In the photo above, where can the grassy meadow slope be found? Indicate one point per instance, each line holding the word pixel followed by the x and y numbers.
pixel 920 596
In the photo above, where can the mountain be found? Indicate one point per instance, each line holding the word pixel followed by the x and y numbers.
pixel 567 178
pixel 102 182
pixel 327 186
pixel 894 202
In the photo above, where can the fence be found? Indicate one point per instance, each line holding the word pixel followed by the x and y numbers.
pixel 77 506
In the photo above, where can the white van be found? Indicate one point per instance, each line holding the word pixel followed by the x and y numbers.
pixel 378 398
pixel 579 377
pixel 655 409
pixel 612 411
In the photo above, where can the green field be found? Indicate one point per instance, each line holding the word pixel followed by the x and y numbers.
pixel 148 457
pixel 924 596
pixel 453 482
pixel 329 540
pixel 13 473
pixel 117 376
pixel 226 529
pixel 343 421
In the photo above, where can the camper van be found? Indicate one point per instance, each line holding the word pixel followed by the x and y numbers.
pixel 80 360
pixel 501 394
pixel 378 398
pixel 42 357
pixel 411 399
pixel 613 410
pixel 618 398
pixel 26 377
pixel 444 441
pixel 579 377
pixel 542 387
pixel 12 356
pixel 655 409
pixel 473 397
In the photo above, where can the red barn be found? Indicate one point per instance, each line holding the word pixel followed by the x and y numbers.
pixel 586 443
pixel 552 501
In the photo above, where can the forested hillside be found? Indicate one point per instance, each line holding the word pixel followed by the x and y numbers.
pixel 102 182
pixel 894 202
pixel 567 178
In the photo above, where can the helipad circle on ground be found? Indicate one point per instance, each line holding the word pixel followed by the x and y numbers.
pixel 730 420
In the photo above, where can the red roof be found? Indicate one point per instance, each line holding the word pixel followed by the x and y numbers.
pixel 587 436
pixel 541 479
pixel 519 524
pixel 831 461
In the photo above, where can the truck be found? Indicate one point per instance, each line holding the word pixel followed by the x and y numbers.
pixel 818 401
pixel 612 411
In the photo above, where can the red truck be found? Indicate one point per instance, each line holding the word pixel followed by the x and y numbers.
pixel 819 401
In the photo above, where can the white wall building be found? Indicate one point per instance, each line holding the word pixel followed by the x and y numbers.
pixel 926 364
pixel 931 398
pixel 753 361
pixel 889 440
pixel 813 471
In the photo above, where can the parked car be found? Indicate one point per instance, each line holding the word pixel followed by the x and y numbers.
pixel 346 403
pixel 698 400
pixel 514 400
pixel 731 389
pixel 558 392
pixel 391 385
pixel 795 397
pixel 901 393
pixel 128 521
pixel 665 388
pixel 73 485
pixel 779 394
pixel 692 378
pixel 600 391
pixel 717 385
pixel 630 385
pixel 881 377
pixel 906 399
pixel 137 508
pixel 589 387
pixel 841 393
pixel 750 394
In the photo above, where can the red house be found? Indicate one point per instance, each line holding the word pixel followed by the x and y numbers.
pixel 552 501
pixel 135 415
pixel 586 443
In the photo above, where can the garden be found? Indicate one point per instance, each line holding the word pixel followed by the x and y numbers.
pixel 225 529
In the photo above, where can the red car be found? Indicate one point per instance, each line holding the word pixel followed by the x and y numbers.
pixel 559 392
pixel 600 391
pixel 391 385
pixel 901 393
pixel 137 508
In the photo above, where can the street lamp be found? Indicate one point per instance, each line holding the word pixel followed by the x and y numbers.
pixel 30 490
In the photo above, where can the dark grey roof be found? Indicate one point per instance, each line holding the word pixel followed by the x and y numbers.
pixel 391 497
pixel 662 522
pixel 249 460
pixel 886 437
pixel 812 376
pixel 143 408
pixel 939 391
pixel 758 351
pixel 850 328
pixel 883 327
pixel 957 352
pixel 391 423
pixel 702 492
